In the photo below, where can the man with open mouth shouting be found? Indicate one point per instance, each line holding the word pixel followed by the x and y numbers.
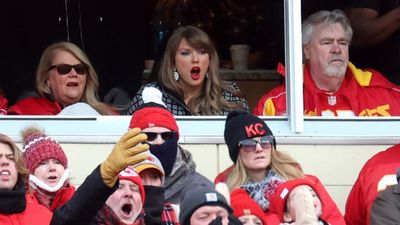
pixel 125 205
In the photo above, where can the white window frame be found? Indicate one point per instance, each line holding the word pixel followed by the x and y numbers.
pixel 294 65
pixel 210 129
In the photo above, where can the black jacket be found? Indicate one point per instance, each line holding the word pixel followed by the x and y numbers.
pixel 86 202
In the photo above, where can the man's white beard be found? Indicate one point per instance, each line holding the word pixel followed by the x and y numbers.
pixel 336 71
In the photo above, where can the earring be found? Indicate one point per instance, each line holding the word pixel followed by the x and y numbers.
pixel 207 75
pixel 176 74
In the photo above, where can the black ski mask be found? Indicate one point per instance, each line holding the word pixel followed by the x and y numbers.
pixel 166 153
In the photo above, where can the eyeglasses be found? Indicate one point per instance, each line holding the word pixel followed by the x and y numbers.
pixel 64 69
pixel 151 136
pixel 249 145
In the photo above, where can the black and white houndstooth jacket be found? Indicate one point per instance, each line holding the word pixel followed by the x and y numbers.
pixel 177 106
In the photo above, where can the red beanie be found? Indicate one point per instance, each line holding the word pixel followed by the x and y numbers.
pixel 243 204
pixel 278 200
pixel 154 115
pixel 130 174
pixel 38 147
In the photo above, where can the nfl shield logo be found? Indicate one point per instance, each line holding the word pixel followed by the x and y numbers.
pixel 332 100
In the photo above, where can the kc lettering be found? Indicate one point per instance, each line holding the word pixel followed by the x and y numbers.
pixel 256 129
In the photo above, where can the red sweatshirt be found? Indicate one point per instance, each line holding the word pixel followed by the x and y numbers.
pixel 378 173
pixel 362 93
pixel 330 214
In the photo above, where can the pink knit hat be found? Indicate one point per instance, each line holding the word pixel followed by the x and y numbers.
pixel 38 147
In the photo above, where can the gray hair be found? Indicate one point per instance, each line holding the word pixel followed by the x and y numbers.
pixel 327 17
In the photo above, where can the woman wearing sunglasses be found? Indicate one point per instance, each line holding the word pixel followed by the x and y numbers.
pixel 162 135
pixel 64 77
pixel 259 168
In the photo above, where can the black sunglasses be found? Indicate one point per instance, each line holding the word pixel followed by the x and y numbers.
pixel 249 145
pixel 151 136
pixel 63 69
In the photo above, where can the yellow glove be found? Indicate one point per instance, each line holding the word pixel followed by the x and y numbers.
pixel 127 151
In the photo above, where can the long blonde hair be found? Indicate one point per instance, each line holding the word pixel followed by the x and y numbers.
pixel 282 163
pixel 89 95
pixel 210 100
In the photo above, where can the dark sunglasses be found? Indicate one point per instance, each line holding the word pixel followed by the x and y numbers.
pixel 63 69
pixel 151 136
pixel 249 145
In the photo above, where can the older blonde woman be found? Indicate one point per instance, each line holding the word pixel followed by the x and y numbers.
pixel 64 77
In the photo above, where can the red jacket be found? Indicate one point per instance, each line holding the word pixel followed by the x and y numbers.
pixel 330 214
pixel 62 196
pixel 3 105
pixel 362 93
pixel 42 106
pixel 35 106
pixel 34 213
pixel 378 173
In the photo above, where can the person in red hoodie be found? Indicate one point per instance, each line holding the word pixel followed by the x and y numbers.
pixel 297 202
pixel 378 173
pixel 246 209
pixel 332 85
pixel 48 166
pixel 260 168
